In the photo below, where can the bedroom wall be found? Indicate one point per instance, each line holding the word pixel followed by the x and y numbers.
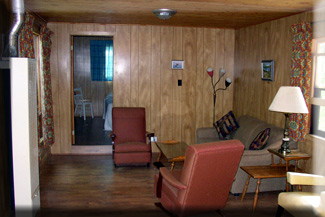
pixel 143 76
pixel 96 91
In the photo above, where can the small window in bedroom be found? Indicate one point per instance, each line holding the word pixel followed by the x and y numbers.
pixel 101 60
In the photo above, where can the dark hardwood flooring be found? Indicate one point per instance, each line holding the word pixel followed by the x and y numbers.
pixel 92 186
pixel 91 131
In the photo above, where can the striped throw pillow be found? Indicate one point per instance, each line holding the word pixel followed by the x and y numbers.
pixel 260 140
pixel 226 125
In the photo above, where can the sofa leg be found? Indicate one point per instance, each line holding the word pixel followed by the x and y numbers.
pixel 279 212
pixel 148 165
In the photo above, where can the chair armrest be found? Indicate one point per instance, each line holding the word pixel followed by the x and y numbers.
pixel 168 177
pixel 305 179
pixel 148 134
pixel 112 135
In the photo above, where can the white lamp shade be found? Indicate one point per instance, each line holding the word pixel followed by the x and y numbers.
pixel 289 100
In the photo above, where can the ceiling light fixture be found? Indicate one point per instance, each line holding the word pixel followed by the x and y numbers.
pixel 164 14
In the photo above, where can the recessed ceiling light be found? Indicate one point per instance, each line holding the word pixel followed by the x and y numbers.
pixel 164 13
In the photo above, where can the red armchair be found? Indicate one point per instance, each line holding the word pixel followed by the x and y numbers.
pixel 205 180
pixel 129 137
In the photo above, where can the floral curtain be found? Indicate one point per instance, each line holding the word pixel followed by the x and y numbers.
pixel 26 49
pixel 46 89
pixel 300 76
pixel 26 41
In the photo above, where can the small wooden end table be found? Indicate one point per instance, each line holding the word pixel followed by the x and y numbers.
pixel 295 155
pixel 174 151
pixel 274 170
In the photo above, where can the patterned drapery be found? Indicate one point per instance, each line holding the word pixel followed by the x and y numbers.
pixel 26 40
pixel 46 89
pixel 300 76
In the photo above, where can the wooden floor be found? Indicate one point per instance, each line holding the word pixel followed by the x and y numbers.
pixel 91 186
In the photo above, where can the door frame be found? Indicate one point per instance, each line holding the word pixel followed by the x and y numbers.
pixel 84 149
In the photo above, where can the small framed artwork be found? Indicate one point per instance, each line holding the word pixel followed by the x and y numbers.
pixel 177 64
pixel 267 67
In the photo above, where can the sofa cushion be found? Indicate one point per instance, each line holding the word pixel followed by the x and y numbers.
pixel 226 125
pixel 249 128
pixel 260 140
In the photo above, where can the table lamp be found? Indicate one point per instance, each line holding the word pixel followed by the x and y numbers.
pixel 288 100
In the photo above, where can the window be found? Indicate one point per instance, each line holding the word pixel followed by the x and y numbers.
pixel 101 60
pixel 318 92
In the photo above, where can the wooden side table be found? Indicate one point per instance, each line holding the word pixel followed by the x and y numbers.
pixel 274 170
pixel 174 151
pixel 261 172
pixel 295 155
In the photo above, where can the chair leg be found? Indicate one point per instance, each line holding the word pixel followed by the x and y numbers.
pixel 84 110
pixel 279 211
pixel 91 110
pixel 77 109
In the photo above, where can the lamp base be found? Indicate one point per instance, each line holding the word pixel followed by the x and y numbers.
pixel 285 140
pixel 285 146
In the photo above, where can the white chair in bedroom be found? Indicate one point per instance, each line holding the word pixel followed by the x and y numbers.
pixel 81 103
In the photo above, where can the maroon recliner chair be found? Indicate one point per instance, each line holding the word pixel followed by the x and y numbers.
pixel 205 180
pixel 131 143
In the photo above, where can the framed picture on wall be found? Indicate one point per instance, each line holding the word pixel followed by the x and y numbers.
pixel 177 64
pixel 267 67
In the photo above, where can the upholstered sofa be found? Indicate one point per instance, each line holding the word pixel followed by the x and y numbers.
pixel 249 128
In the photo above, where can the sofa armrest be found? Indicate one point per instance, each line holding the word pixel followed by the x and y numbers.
pixel 305 179
pixel 209 133
pixel 168 177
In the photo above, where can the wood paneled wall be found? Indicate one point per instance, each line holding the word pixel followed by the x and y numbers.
pixel 272 41
pixel 267 41
pixel 143 76
pixel 96 91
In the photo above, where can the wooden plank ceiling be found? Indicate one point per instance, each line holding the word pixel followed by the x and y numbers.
pixel 195 13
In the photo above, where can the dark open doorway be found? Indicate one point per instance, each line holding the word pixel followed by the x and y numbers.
pixel 92 121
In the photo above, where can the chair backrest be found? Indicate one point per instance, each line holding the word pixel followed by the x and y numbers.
pixel 77 91
pixel 209 172
pixel 78 99
pixel 129 124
